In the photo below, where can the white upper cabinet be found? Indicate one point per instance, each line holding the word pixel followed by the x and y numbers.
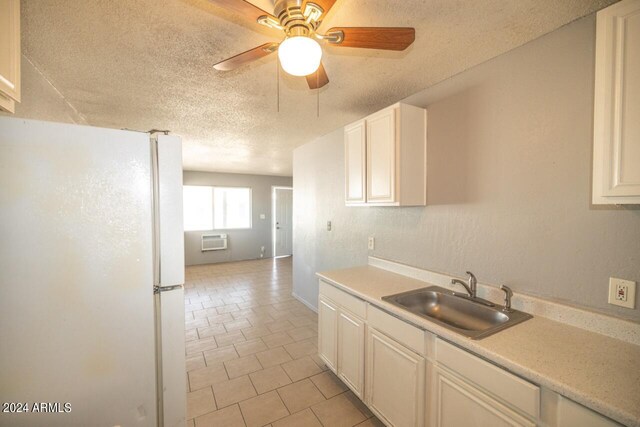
pixel 381 156
pixel 354 154
pixel 9 54
pixel 385 158
pixel 616 148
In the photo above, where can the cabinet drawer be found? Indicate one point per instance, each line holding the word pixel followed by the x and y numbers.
pixel 343 299
pixel 515 391
pixel 571 414
pixel 457 402
pixel 401 331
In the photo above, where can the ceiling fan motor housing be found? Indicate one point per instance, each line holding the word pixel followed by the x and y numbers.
pixel 296 21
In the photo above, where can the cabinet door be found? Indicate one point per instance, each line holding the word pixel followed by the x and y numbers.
pixel 457 402
pixel 327 332
pixel 9 53
pixel 395 381
pixel 351 351
pixel 354 155
pixel 616 156
pixel 381 156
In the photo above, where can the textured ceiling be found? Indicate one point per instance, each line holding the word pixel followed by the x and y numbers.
pixel 148 64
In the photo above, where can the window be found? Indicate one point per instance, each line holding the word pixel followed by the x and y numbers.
pixel 231 208
pixel 216 208
pixel 198 208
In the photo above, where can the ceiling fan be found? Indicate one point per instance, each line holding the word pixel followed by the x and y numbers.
pixel 300 53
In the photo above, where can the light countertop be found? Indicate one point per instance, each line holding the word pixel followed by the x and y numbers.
pixel 594 370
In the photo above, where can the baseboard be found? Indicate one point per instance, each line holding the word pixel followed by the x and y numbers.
pixel 230 261
pixel 305 302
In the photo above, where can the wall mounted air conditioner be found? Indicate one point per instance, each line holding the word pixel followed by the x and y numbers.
pixel 214 242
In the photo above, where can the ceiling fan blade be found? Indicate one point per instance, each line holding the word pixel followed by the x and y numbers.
pixel 246 57
pixel 244 8
pixel 326 5
pixel 387 38
pixel 318 79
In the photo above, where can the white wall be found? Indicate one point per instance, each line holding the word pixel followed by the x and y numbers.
pixel 509 169
pixel 243 244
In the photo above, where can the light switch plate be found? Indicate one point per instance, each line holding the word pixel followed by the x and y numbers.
pixel 622 292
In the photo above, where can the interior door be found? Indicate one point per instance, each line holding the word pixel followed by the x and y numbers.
pixel 76 274
pixel 283 199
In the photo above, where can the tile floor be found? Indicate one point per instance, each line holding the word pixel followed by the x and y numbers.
pixel 252 353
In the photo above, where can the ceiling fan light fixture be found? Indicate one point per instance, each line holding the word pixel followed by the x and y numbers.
pixel 300 55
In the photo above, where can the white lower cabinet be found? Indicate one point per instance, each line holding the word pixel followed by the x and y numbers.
pixel 341 335
pixel 351 351
pixel 458 403
pixel 395 381
pixel 409 377
pixel 327 332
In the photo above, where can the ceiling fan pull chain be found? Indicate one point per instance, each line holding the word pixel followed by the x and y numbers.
pixel 278 85
pixel 318 93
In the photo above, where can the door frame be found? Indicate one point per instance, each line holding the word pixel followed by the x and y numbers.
pixel 273 218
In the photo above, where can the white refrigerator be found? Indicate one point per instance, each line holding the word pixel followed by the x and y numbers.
pixel 91 275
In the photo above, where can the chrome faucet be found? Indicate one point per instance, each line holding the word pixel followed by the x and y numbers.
pixel 471 290
pixel 508 293
pixel 471 287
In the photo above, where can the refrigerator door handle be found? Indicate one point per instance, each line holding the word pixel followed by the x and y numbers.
pixel 157 289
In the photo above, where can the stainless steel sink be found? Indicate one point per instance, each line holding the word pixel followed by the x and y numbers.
pixel 458 314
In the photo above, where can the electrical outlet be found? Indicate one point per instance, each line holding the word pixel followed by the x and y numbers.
pixel 622 292
pixel 328 225
pixel 372 243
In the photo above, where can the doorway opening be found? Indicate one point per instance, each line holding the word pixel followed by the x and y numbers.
pixel 282 224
